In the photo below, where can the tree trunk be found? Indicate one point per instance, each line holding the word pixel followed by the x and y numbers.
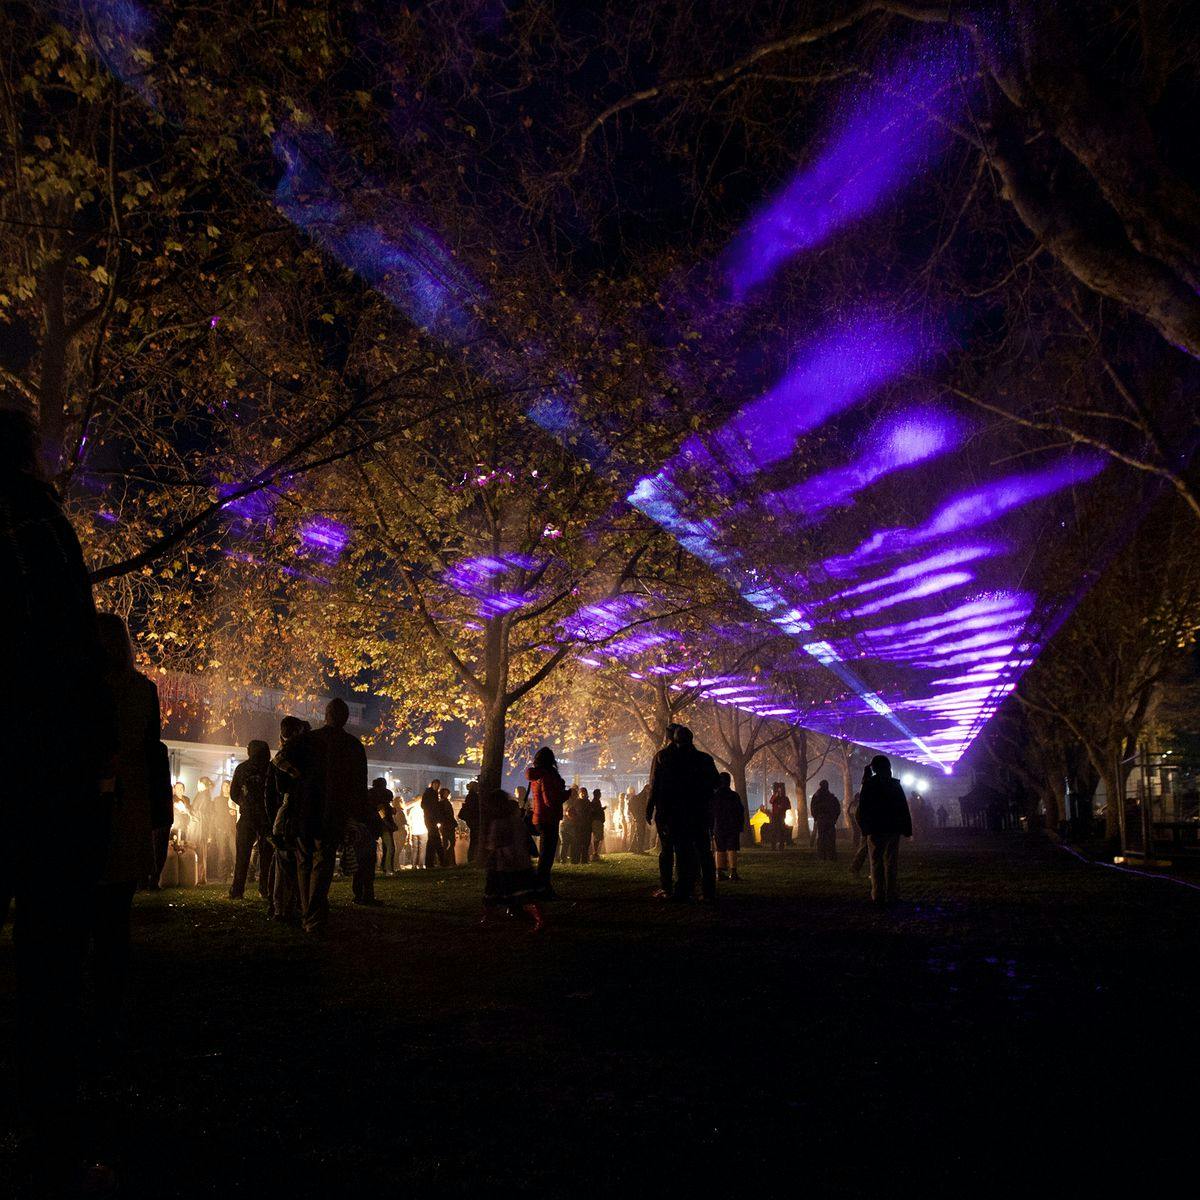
pixel 491 766
pixel 737 768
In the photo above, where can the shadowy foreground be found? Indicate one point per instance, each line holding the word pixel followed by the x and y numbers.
pixel 1020 1017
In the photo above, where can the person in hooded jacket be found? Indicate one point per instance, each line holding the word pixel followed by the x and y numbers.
pixel 248 790
pixel 683 781
pixel 547 796
pixel 825 808
pixel 885 819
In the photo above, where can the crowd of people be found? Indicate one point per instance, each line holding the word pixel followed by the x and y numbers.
pixel 296 816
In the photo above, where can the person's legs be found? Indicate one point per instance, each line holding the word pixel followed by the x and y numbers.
pixel 433 848
pixel 733 871
pixel 687 867
pixel 875 851
pixel 547 848
pixel 891 862
pixel 315 904
pixel 266 862
pixel 161 840
pixel 449 837
pixel 110 954
pixel 246 835
pixel 666 862
pixel 708 868
pixel 860 857
pixel 388 866
pixel 305 854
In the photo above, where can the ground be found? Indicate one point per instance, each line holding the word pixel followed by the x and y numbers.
pixel 1019 1007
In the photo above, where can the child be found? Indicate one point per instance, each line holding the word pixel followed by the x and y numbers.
pixel 511 881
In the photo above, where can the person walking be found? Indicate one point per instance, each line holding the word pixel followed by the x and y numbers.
pixel 248 790
pixel 683 782
pixel 729 820
pixel 331 767
pixel 547 796
pixel 510 882
pixel 885 819
pixel 384 803
pixel 825 808
pixel 469 815
pixel 430 809
pixel 778 806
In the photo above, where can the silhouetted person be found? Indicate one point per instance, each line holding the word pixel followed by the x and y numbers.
pixel 825 808
pixel 547 795
pixel 331 767
pixel 852 817
pixel 363 828
pixel 683 783
pixel 431 810
pixel 50 652
pixel 657 816
pixel 778 806
pixel 597 812
pixel 577 826
pixel 943 817
pixel 511 882
pixel 383 800
pixel 282 788
pixel 469 815
pixel 248 790
pixel 447 827
pixel 884 816
pixel 143 796
pixel 729 819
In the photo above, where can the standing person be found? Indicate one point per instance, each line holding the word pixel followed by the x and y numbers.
pixel 418 833
pixel 825 808
pixel 578 825
pixel 49 650
pixel 430 810
pixel 597 815
pixel 283 903
pixel 778 806
pixel 142 799
pixel 331 768
pixel 852 817
pixel 248 790
pixel 683 782
pixel 943 817
pixel 469 815
pixel 447 827
pixel 885 819
pixel 203 808
pixel 657 816
pixel 729 819
pixel 860 842
pixel 510 881
pixel 547 795
pixel 383 800
pixel 227 814
pixel 364 826
pixel 638 819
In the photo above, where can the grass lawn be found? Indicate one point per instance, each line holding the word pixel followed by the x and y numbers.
pixel 1018 1008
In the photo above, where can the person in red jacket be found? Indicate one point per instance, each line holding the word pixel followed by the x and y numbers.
pixel 547 794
